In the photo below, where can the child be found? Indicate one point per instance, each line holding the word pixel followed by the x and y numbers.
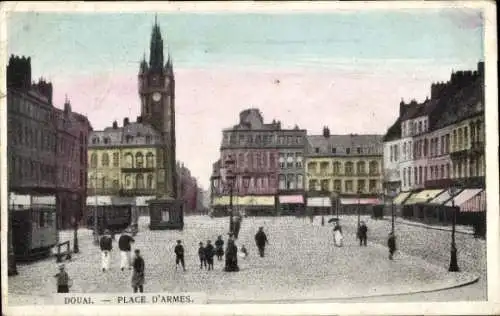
pixel 201 254
pixel 179 255
pixel 62 280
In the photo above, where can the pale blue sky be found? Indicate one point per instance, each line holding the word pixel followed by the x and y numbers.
pixel 334 63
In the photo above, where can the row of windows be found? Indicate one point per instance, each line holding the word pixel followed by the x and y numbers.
pixel 368 150
pixel 261 139
pixel 290 182
pixel 292 160
pixel 324 166
pixel 394 153
pixel 28 108
pixel 412 128
pixel 137 181
pixel 361 185
pixel 128 139
pixel 129 160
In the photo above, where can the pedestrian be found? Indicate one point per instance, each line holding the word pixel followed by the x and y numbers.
pixel 244 251
pixel 138 274
pixel 362 234
pixel 261 241
pixel 231 256
pixel 124 243
pixel 201 254
pixel 219 248
pixel 338 238
pixel 63 280
pixel 237 225
pixel 209 255
pixel 391 244
pixel 106 245
pixel 179 255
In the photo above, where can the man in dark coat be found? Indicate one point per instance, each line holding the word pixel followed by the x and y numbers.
pixel 231 256
pixel 391 244
pixel 179 255
pixel 106 245
pixel 209 254
pixel 362 234
pixel 138 275
pixel 124 243
pixel 261 241
pixel 219 248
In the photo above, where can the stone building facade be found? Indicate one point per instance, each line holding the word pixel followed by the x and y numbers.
pixel 47 146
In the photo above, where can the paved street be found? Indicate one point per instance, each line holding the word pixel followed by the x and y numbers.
pixel 302 263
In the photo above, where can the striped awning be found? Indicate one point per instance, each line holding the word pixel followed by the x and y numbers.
pixel 363 201
pixel 291 199
pixel 475 204
pixel 422 197
pixel 463 197
pixel 319 202
pixel 441 198
pixel 401 198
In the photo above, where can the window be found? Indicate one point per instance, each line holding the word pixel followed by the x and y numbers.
pixel 116 184
pixel 373 168
pixel 454 140
pixel 415 175
pixel 95 140
pixel 396 152
pixel 337 185
pixel 150 160
pixel 139 160
pixel 116 159
pixel 373 185
pixel 289 161
pixel 336 168
pixel 325 184
pixel 348 168
pixel 391 154
pixel 348 151
pixel 442 171
pixel 404 177
pixel 361 186
pixel 311 167
pixel 165 215
pixel 316 150
pixel 466 137
pixel 448 170
pixel 359 150
pixel 148 139
pixel 282 161
pixel 272 160
pixel 323 167
pixel 139 181
pixel 300 181
pixel 298 158
pixel 312 185
pixel 105 160
pixel 420 179
pixel 419 127
pixel 425 173
pixel 334 150
pixel 93 160
pixel 291 181
pixel 282 183
pixel 409 176
pixel 361 168
pixel 348 186
pixel 129 139
pixel 404 150
pixel 447 143
pixel 128 181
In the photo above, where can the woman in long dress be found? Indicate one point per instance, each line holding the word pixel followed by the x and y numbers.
pixel 337 235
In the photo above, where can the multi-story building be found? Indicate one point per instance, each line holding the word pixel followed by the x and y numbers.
pixel 268 164
pixel 188 189
pixel 392 157
pixel 46 145
pixel 343 168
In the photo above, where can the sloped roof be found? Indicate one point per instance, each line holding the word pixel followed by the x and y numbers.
pixel 370 144
pixel 393 132
pixel 136 133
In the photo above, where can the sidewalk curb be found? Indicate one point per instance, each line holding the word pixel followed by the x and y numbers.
pixel 471 280
pixel 431 227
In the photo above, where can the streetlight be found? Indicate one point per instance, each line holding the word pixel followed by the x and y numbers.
pixel 337 203
pixel 229 178
pixel 12 270
pixel 359 208
pixel 392 195
pixel 96 236
pixel 76 249
pixel 453 253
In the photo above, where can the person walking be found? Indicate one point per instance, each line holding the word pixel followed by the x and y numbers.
pixel 231 257
pixel 261 241
pixel 63 280
pixel 124 243
pixel 138 274
pixel 179 255
pixel 362 234
pixel 201 255
pixel 391 244
pixel 106 245
pixel 219 248
pixel 338 238
pixel 209 255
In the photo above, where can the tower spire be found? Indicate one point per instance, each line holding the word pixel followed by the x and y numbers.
pixel 156 47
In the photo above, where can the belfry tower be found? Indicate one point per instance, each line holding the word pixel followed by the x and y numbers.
pixel 157 95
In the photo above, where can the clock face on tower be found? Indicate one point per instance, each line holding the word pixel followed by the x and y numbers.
pixel 156 96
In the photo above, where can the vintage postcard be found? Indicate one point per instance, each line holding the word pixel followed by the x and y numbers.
pixel 249 158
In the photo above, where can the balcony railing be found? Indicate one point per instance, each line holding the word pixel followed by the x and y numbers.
pixel 136 192
pixel 138 169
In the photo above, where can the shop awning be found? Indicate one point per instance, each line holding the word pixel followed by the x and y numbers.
pixel 401 198
pixel 422 197
pixel 441 198
pixel 475 204
pixel 291 199
pixel 19 200
pixel 361 201
pixel 319 202
pixel 44 200
pixel 122 200
pixel 143 200
pixel 99 200
pixel 260 201
pixel 464 196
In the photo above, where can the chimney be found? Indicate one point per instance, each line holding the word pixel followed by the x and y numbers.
pixel 326 132
pixel 139 119
pixel 401 107
pixel 480 68
pixel 125 121
pixel 115 125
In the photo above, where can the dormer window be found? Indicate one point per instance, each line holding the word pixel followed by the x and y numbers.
pixel 348 151
pixel 359 150
pixel 334 150
pixel 148 139
pixel 316 150
pixel 95 140
pixel 107 140
pixel 129 138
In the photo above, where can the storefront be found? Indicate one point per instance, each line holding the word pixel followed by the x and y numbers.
pixel 417 207
pixel 361 205
pixel 259 205
pixel 319 205
pixel 291 205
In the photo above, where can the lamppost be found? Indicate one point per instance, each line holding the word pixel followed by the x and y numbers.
pixel 229 178
pixel 76 249
pixel 337 203
pixel 96 235
pixel 392 196
pixel 12 266
pixel 359 208
pixel 453 253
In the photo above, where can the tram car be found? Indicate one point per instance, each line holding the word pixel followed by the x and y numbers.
pixel 34 228
pixel 112 216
